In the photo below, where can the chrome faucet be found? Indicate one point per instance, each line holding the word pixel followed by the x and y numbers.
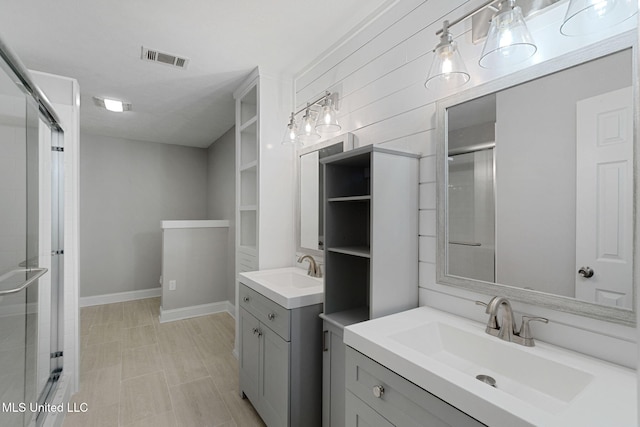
pixel 506 329
pixel 314 268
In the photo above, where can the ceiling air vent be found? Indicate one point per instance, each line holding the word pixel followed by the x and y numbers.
pixel 163 58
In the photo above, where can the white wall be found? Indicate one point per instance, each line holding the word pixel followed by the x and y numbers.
pixel 379 72
pixel 126 189
pixel 222 196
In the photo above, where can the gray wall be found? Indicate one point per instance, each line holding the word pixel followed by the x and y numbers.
pixel 536 172
pixel 126 189
pixel 222 195
pixel 194 258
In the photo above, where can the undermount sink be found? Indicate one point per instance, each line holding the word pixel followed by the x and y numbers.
pixel 543 385
pixel 290 287
pixel 542 382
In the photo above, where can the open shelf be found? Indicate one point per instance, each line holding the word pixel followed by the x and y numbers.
pixel 249 166
pixel 361 251
pixel 248 123
pixel 350 199
pixel 249 106
pixel 347 317
pixel 247 208
pixel 249 144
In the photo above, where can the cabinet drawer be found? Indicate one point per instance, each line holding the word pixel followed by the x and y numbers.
pixel 266 311
pixel 359 414
pixel 402 402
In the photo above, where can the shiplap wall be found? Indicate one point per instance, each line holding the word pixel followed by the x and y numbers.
pixel 379 72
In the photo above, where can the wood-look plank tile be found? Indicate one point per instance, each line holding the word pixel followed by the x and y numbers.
pixel 183 366
pixel 109 313
pixel 140 361
pixel 241 410
pixel 198 404
pixel 102 333
pixel 143 397
pixel 139 336
pixel 165 419
pixel 95 417
pixel 99 356
pixel 223 369
pixel 136 313
pixel 174 336
pixel 99 388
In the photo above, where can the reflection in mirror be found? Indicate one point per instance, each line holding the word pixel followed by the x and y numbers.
pixel 311 191
pixel 539 186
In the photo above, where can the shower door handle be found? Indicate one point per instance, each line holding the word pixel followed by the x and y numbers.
pixel 38 272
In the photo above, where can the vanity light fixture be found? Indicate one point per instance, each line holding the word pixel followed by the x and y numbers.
pixel 586 16
pixel 114 105
pixel 319 116
pixel 291 134
pixel 447 69
pixel 508 41
pixel 308 132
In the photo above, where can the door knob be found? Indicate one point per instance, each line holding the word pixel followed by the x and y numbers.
pixel 378 391
pixel 585 272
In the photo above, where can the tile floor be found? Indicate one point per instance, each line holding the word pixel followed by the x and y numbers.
pixel 135 371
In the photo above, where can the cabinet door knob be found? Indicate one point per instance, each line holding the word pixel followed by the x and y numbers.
pixel 255 331
pixel 259 333
pixel 271 316
pixel 245 299
pixel 378 391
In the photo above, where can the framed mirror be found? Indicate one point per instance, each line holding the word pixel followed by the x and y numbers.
pixel 310 221
pixel 537 176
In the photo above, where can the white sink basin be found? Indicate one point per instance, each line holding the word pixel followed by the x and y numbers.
pixel 535 386
pixel 516 372
pixel 290 287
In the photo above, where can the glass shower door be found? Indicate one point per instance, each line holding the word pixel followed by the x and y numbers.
pixel 20 305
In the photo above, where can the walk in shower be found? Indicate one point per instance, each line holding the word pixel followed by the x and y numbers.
pixel 31 247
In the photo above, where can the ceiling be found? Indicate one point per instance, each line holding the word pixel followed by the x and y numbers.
pixel 98 42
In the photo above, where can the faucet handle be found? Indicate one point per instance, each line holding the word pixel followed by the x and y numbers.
pixel 525 331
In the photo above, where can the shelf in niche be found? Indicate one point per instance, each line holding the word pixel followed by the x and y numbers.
pixel 350 199
pixel 347 317
pixel 360 251
pixel 248 123
pixel 246 208
pixel 249 166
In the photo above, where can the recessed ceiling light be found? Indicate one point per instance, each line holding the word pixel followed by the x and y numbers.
pixel 114 105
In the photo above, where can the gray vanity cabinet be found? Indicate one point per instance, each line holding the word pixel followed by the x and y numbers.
pixel 333 391
pixel 281 360
pixel 378 396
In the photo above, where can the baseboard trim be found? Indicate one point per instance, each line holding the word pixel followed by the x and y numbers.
pixel 195 311
pixel 120 297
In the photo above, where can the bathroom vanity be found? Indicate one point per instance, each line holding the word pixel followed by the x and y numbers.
pixel 281 345
pixel 420 367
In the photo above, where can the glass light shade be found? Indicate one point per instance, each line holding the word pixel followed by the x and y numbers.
pixel 291 133
pixel 307 131
pixel 328 118
pixel 447 69
pixel 589 16
pixel 508 41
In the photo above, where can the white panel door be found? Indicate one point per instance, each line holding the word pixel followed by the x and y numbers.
pixel 604 221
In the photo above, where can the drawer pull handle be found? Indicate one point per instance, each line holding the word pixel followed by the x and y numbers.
pixel 271 316
pixel 245 299
pixel 378 391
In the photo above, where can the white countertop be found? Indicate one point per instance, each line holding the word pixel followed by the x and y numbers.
pixel 609 399
pixel 289 287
